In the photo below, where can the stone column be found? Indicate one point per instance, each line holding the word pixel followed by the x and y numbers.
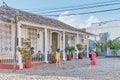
pixel 46 45
pixel 76 47
pixel 87 46
pixel 108 49
pixel 95 42
pixel 19 32
pixel 64 55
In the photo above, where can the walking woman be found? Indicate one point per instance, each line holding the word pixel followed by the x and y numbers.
pixel 92 56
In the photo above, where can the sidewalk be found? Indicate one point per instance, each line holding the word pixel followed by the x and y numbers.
pixel 77 69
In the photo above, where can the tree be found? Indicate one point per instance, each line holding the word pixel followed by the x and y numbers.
pixel 114 45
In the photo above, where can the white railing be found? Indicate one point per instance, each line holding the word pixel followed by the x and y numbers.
pixel 38 57
pixel 6 58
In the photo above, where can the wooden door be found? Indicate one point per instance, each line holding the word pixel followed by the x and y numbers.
pixel 54 41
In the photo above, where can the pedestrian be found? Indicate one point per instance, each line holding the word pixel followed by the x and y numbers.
pixel 39 56
pixel 57 58
pixel 32 50
pixel 92 56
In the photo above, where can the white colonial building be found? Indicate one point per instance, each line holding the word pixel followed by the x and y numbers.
pixel 45 34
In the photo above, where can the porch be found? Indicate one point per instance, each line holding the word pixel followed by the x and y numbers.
pixel 45 40
pixel 45 34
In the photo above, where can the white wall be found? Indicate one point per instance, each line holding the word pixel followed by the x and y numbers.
pixel 112 27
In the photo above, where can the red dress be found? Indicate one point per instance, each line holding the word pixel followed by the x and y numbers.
pixel 93 61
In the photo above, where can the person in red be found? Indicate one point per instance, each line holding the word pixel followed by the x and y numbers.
pixel 92 55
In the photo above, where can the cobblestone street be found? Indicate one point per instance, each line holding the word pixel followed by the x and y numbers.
pixel 106 69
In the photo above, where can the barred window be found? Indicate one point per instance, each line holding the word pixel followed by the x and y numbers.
pixel 5 38
pixel 32 35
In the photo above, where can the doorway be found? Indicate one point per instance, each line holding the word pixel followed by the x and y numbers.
pixel 54 41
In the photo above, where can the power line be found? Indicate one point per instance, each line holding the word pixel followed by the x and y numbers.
pixel 87 12
pixel 67 7
pixel 86 7
pixel 4 3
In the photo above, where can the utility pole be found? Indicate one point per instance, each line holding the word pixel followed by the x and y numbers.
pixel 15 45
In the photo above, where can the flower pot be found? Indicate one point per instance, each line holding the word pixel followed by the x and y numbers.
pixel 69 57
pixel 27 63
pixel 80 55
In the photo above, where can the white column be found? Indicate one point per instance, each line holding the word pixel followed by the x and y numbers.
pixel 38 41
pixel 77 43
pixel 87 46
pixel 69 40
pixel 95 42
pixel 46 45
pixel 108 49
pixel 19 45
pixel 64 55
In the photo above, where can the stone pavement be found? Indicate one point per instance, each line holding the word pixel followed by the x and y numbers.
pixel 77 69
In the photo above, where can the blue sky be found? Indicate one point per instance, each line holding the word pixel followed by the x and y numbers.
pixel 37 5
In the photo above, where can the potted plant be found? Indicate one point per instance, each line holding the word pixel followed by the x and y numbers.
pixel 52 58
pixel 72 50
pixel 80 47
pixel 25 52
pixel 68 51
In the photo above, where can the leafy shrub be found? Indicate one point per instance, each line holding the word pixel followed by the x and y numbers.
pixel 79 46
pixel 114 44
pixel 25 51
pixel 52 58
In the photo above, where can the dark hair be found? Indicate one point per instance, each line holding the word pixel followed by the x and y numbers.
pixel 39 51
pixel 91 50
pixel 58 50
pixel 32 48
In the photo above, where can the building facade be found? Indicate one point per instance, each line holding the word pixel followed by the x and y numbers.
pixel 45 34
pixel 107 30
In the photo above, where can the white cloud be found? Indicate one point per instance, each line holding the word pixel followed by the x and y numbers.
pixel 73 20
pixel 91 20
pixel 76 21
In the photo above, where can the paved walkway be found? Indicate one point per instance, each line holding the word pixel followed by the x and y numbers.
pixel 106 69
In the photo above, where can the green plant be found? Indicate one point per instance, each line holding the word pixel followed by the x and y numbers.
pixel 114 44
pixel 79 47
pixel 52 58
pixel 69 49
pixel 25 51
pixel 72 49
pixel 98 46
pixel 91 48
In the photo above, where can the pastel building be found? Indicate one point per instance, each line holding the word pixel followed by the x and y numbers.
pixel 107 30
pixel 45 35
